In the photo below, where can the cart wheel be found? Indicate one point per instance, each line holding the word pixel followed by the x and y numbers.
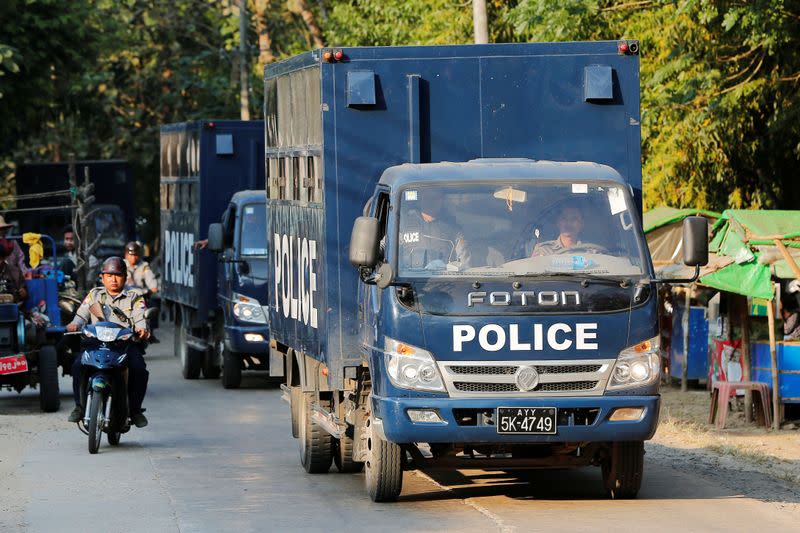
pixel 49 393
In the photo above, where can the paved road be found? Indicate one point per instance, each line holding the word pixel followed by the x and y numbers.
pixel 214 459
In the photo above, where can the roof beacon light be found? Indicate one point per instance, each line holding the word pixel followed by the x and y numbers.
pixel 338 55
pixel 623 47
pixel 327 56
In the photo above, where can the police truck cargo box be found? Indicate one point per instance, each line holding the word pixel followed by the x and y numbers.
pixel 212 175
pixel 459 274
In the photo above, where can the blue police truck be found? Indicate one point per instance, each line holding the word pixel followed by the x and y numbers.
pixel 459 274
pixel 212 176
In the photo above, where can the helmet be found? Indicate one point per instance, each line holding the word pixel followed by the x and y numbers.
pixel 114 265
pixel 134 248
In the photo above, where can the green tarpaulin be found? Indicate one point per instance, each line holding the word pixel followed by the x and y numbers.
pixel 748 237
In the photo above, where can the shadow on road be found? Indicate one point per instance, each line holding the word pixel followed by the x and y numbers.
pixel 670 474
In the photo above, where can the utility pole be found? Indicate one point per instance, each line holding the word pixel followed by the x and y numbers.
pixel 480 21
pixel 244 98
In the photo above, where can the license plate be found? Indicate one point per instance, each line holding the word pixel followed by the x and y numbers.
pixel 526 420
pixel 13 364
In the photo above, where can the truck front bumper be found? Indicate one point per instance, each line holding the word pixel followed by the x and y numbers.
pixel 245 339
pixel 580 419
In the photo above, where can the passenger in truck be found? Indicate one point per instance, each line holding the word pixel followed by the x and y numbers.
pixel 570 227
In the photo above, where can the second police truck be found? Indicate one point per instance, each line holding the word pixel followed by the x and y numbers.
pixel 459 274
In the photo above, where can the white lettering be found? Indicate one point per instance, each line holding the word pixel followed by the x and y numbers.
pixel 552 340
pixel 483 337
pixel 538 335
pixel 295 278
pixel 179 258
pixel 585 333
pixel 515 345
pixel 462 334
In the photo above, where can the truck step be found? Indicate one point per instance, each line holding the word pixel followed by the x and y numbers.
pixel 327 421
pixel 196 343
pixel 287 393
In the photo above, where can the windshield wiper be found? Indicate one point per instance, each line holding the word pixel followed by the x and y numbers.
pixel 585 278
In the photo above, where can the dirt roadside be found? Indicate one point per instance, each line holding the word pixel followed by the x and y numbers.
pixel 684 425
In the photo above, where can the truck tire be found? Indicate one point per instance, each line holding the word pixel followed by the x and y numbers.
pixel 316 444
pixel 216 348
pixel 231 370
pixel 623 469
pixel 296 400
pixel 384 468
pixel 191 360
pixel 343 455
pixel 49 393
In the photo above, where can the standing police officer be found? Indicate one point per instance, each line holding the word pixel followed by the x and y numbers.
pixel 131 303
pixel 139 272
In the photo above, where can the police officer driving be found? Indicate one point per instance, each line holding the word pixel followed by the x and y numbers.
pixel 114 295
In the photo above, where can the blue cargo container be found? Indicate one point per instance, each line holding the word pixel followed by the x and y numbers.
pixel 462 334
pixel 203 165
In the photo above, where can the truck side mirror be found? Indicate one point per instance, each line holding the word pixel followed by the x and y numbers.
pixel 364 242
pixel 215 237
pixel 695 241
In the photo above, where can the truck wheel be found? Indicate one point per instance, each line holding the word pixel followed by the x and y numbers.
pixel 622 471
pixel 191 360
pixel 231 370
pixel 343 455
pixel 216 348
pixel 384 467
pixel 316 444
pixel 296 399
pixel 49 394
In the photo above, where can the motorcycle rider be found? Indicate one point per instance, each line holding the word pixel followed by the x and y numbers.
pixel 131 303
pixel 139 272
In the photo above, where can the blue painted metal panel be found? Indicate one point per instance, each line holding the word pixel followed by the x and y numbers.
pixel 197 185
pixel 399 428
pixel 9 313
pixel 443 103
pixel 788 356
pixel 698 344
pixel 44 290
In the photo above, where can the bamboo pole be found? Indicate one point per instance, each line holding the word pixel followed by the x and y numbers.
pixel 788 257
pixel 776 408
pixel 744 319
pixel 686 312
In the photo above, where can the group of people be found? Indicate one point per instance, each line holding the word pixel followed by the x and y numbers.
pixel 430 239
pixel 124 284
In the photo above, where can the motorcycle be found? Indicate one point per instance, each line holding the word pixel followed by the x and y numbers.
pixel 104 388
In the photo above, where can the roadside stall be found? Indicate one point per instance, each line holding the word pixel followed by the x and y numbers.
pixel 663 228
pixel 764 249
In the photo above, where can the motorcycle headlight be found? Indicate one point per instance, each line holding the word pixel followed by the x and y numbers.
pixel 637 366
pixel 248 310
pixel 410 367
pixel 105 334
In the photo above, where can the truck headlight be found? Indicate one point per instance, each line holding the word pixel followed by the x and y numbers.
pixel 637 366
pixel 248 309
pixel 410 367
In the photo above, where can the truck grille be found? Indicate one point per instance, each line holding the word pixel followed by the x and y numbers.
pixel 498 378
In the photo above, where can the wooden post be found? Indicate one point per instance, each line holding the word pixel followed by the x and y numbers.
pixel 788 257
pixel 776 406
pixel 686 312
pixel 244 85
pixel 744 322
pixel 480 22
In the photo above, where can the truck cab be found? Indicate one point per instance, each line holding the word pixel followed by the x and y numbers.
pixel 242 285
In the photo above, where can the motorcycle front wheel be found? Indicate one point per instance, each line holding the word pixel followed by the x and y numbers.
pixel 96 412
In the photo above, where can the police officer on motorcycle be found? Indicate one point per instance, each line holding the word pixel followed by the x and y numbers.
pixel 113 296
pixel 139 272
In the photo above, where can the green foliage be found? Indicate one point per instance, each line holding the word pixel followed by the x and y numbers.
pixel 720 105
pixel 96 78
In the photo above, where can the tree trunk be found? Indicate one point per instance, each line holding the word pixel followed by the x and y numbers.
pixel 244 85
pixel 480 21
pixel 265 53
pixel 300 7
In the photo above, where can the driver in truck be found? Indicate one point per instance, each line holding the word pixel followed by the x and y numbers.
pixel 570 228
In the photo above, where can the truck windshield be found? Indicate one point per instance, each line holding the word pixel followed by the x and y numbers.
pixel 254 230
pixel 518 229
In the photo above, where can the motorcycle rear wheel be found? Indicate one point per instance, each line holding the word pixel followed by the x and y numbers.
pixel 96 410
